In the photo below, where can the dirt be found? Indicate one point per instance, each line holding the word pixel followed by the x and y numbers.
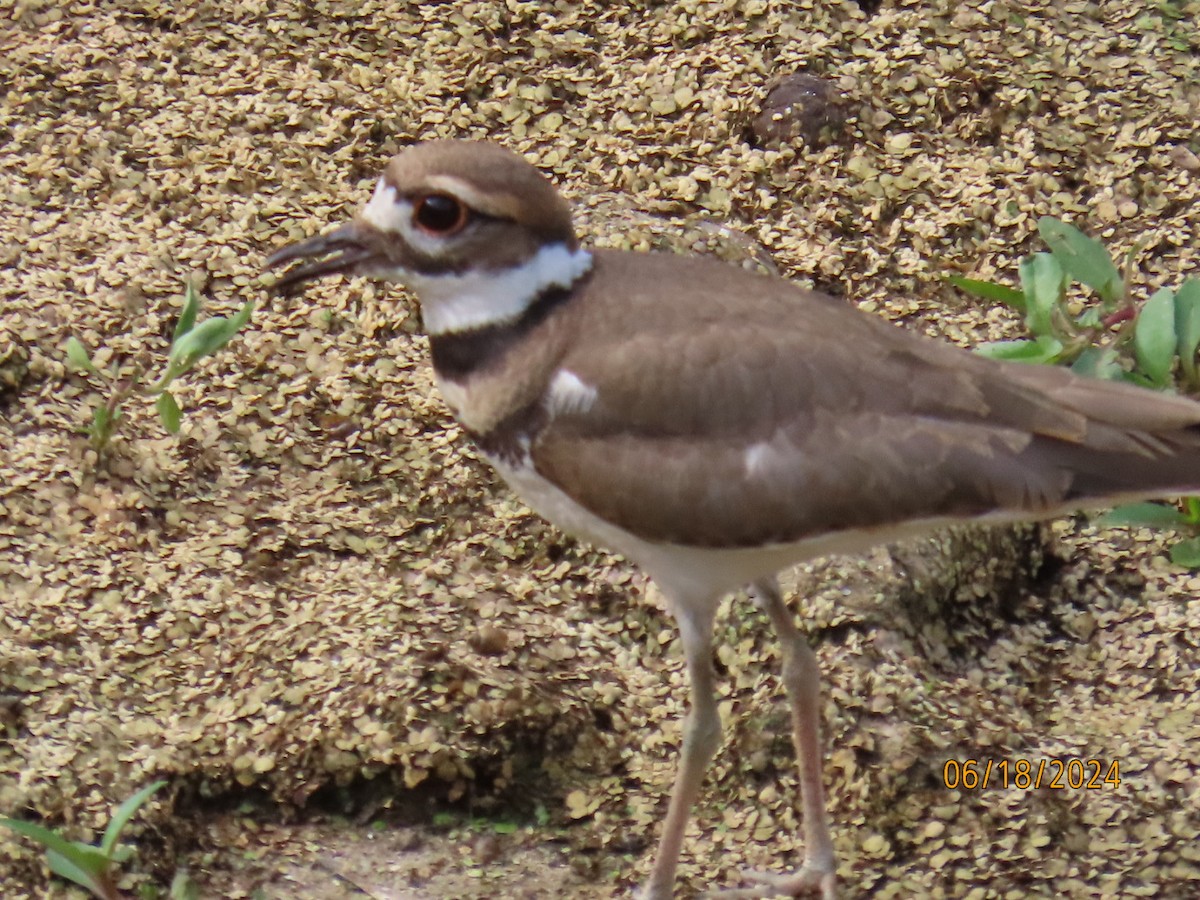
pixel 315 604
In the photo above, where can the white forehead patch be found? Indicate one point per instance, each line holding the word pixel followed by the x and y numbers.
pixel 390 214
pixel 569 393
pixel 386 211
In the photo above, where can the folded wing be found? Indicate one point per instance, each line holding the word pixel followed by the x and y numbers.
pixel 772 417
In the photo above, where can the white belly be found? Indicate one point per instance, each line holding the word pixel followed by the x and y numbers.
pixel 697 574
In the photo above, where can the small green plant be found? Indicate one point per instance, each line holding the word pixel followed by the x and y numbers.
pixel 1184 518
pixel 1173 21
pixel 190 343
pixel 1111 337
pixel 481 824
pixel 1153 344
pixel 91 866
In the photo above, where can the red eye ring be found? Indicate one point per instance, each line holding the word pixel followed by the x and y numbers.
pixel 440 214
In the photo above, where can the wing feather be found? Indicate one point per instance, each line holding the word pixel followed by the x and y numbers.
pixel 759 413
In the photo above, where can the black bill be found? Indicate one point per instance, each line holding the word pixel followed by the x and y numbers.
pixel 341 251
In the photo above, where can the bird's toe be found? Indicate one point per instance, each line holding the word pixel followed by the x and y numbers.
pixel 809 881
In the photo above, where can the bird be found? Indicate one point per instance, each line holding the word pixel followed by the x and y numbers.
pixel 716 426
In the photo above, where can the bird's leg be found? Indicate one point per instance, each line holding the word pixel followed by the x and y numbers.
pixel 701 736
pixel 801 678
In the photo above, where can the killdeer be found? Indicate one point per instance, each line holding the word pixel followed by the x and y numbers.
pixel 716 426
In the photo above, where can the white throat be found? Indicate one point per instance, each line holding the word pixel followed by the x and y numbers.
pixel 466 301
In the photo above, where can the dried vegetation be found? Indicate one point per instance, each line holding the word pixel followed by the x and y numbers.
pixel 317 583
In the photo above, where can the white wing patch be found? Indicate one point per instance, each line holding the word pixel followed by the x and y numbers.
pixel 763 459
pixel 569 394
pixel 757 458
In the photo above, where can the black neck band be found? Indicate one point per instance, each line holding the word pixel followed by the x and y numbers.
pixel 458 354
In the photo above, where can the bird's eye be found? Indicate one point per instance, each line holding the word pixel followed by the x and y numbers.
pixel 439 214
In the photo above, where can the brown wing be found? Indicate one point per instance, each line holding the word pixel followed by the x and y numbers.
pixel 760 413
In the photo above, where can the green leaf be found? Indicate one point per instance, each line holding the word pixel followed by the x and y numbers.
pixel 206 338
pixel 81 863
pixel 1191 510
pixel 989 290
pixel 1187 553
pixel 1082 257
pixel 1142 515
pixel 1140 379
pixel 78 356
pixel 242 316
pixel 87 870
pixel 1154 340
pixel 1044 349
pixel 126 811
pixel 187 316
pixel 169 412
pixel 505 827
pixel 104 423
pixel 51 840
pixel 1099 362
pixel 1187 322
pixel 1044 285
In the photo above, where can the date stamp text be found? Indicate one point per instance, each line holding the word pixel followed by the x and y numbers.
pixel 1052 773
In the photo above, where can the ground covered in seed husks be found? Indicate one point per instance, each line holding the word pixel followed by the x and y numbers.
pixel 364 668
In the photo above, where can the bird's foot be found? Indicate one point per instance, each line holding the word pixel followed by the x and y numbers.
pixel 809 881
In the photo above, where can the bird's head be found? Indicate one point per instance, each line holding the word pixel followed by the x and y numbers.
pixel 473 229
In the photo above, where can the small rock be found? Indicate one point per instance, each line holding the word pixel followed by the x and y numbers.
pixel 798 106
pixel 489 640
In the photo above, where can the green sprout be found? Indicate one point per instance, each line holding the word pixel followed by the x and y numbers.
pixel 91 866
pixel 1173 20
pixel 190 343
pixel 1153 344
